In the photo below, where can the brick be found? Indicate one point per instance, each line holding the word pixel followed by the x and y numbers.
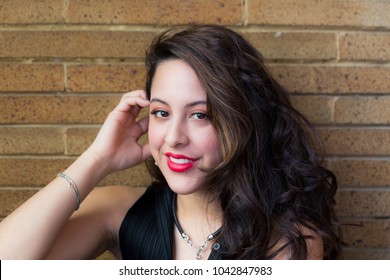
pixel 294 45
pixel 10 199
pixel 317 109
pixel 105 78
pixel 361 172
pixel 349 13
pixel 137 176
pixel 367 233
pixel 31 77
pixel 56 109
pixel 229 12
pixel 365 254
pixel 363 203
pixel 31 172
pixel 79 139
pixel 356 141
pixel 74 44
pixel 31 12
pixel 27 172
pixel 362 110
pixel 333 79
pixel 31 140
pixel 365 46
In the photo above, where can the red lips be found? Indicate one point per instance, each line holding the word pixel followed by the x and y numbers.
pixel 178 162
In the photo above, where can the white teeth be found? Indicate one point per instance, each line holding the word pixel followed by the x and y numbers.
pixel 180 160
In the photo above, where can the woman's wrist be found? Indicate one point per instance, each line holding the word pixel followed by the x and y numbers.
pixel 87 171
pixel 102 165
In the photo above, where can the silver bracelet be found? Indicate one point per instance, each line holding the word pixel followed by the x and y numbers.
pixel 73 185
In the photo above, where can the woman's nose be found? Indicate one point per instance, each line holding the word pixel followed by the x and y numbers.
pixel 176 134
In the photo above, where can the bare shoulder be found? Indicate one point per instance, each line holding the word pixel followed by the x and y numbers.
pixel 314 243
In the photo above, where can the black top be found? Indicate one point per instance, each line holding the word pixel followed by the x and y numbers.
pixel 146 232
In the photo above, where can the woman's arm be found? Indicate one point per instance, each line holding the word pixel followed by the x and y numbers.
pixel 31 230
pixel 95 228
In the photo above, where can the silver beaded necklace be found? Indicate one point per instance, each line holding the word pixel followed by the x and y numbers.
pixel 203 246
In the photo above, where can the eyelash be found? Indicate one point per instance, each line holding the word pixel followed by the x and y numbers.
pixel 200 116
pixel 204 116
pixel 156 112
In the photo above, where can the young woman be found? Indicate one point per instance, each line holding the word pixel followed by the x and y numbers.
pixel 236 170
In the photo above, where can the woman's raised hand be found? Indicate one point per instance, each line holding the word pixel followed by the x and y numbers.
pixel 116 145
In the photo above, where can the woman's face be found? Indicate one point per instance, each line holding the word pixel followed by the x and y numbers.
pixel 181 137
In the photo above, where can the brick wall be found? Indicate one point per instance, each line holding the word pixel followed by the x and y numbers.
pixel 65 63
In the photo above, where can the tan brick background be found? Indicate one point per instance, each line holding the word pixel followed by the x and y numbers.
pixel 65 63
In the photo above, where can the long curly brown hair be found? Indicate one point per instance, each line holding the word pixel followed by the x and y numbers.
pixel 271 181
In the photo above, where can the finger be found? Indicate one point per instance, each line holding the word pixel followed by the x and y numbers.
pixel 141 95
pixel 128 102
pixel 135 93
pixel 134 110
pixel 146 153
pixel 144 124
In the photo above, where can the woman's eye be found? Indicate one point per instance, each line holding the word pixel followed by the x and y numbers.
pixel 199 116
pixel 160 113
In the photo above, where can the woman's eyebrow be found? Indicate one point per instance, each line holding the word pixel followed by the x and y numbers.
pixel 195 103
pixel 158 100
pixel 192 104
